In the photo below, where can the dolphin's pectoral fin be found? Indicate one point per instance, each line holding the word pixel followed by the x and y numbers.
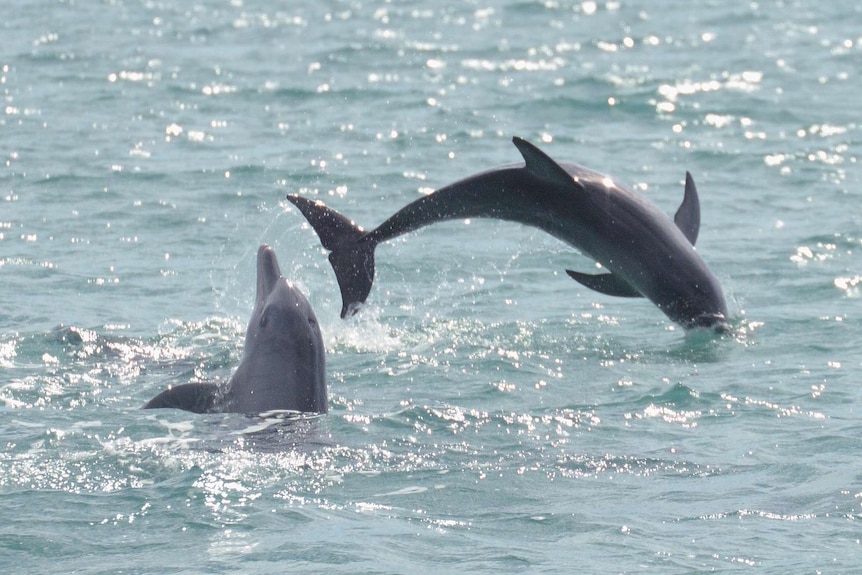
pixel 687 217
pixel 608 284
pixel 542 165
pixel 194 397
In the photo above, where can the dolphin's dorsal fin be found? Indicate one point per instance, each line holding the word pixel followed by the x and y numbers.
pixel 608 284
pixel 268 272
pixel 542 165
pixel 687 217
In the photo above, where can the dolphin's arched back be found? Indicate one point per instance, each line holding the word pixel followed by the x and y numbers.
pixel 645 252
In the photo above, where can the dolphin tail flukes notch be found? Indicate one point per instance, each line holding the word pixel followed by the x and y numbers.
pixel 332 228
pixel 608 284
pixel 354 270
pixel 352 258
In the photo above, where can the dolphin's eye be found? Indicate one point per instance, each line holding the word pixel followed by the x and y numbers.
pixel 312 322
pixel 264 319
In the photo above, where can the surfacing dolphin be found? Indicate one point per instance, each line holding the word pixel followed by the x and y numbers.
pixel 283 363
pixel 646 254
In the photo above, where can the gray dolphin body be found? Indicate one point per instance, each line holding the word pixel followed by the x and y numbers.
pixel 283 364
pixel 647 254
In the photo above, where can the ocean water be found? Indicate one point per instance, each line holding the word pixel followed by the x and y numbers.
pixel 487 414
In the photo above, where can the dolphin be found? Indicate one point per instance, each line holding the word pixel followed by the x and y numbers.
pixel 283 363
pixel 645 253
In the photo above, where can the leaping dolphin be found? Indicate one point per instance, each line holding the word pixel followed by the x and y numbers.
pixel 646 254
pixel 283 363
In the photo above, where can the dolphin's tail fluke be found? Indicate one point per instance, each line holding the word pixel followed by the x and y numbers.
pixel 352 254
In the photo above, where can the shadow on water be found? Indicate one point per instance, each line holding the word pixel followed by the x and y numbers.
pixel 281 430
pixel 171 430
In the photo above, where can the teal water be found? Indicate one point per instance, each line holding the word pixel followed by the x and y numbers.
pixel 487 414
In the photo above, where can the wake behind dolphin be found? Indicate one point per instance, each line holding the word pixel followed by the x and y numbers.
pixel 283 363
pixel 646 253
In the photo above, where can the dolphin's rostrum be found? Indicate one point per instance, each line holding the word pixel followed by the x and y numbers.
pixel 283 364
pixel 646 254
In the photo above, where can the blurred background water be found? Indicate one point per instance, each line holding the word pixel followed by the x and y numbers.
pixel 487 413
